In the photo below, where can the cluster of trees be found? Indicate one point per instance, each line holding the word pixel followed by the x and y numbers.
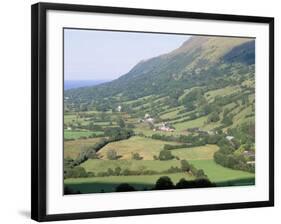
pixel 165 183
pixel 74 171
pixel 230 154
pixel 164 155
pixel 233 161
pixel 118 171
pixel 117 133
pixel 189 140
pixel 187 167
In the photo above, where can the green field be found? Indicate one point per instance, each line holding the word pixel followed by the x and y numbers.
pixel 218 173
pixel 205 152
pixel 199 122
pixel 146 147
pixel 97 165
pixel 214 171
pixel 69 134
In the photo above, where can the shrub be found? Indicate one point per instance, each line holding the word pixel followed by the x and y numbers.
pixel 165 155
pixel 136 156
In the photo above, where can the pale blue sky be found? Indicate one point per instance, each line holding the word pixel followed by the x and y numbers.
pixel 106 55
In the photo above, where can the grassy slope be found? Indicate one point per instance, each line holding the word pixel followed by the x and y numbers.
pixel 73 148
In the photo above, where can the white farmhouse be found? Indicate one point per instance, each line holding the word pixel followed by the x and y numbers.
pixel 119 108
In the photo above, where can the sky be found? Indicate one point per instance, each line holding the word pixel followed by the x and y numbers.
pixel 106 55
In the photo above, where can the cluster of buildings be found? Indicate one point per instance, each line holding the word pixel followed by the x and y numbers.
pixel 164 127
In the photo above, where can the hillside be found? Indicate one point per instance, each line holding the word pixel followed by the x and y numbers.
pixel 202 64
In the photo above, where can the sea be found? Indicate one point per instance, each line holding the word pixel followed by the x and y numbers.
pixel 72 84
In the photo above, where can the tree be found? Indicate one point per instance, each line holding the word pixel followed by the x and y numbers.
pixel 214 117
pixel 164 183
pixel 200 174
pixel 204 182
pixel 136 156
pixel 117 171
pixel 110 172
pixel 121 122
pixel 124 188
pixel 155 157
pixel 183 183
pixel 112 154
pixel 185 166
pixel 165 155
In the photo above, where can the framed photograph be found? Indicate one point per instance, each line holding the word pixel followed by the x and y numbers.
pixel 140 111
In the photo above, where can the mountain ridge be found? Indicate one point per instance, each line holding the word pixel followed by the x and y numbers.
pixel 198 61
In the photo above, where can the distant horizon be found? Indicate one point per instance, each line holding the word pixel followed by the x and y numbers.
pixel 107 55
pixel 73 84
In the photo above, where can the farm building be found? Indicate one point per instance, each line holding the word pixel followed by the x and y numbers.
pixel 165 127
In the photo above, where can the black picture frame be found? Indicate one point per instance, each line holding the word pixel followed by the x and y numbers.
pixel 38 108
